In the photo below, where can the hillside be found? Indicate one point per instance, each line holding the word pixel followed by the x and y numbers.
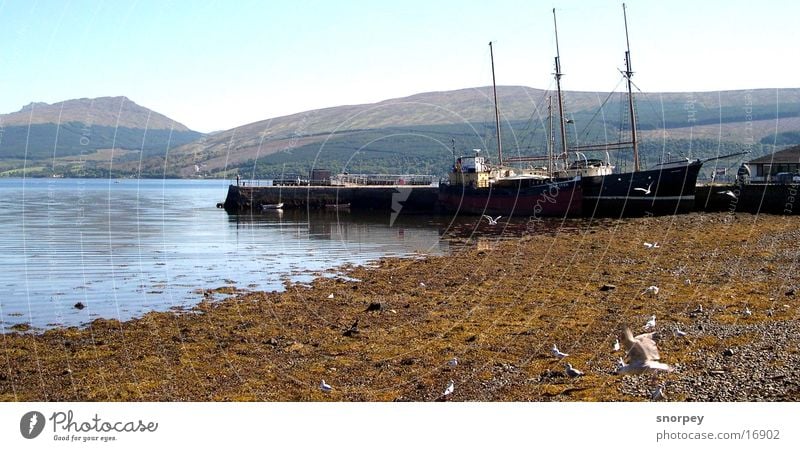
pixel 413 134
pixel 79 136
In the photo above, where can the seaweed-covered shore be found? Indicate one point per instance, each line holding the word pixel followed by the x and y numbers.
pixel 497 307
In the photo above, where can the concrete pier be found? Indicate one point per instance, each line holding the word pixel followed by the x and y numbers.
pixel 411 198
pixel 749 198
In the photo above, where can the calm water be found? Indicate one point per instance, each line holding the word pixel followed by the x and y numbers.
pixel 126 247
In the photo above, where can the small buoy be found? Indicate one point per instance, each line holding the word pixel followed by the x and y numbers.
pixel 79 306
pixel 220 205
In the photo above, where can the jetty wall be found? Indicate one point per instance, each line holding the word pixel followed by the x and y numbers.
pixel 423 199
pixel 749 198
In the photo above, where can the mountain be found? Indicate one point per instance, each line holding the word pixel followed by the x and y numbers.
pixel 83 136
pixel 414 134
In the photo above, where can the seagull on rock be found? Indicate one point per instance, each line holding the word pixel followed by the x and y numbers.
pixel 642 355
pixel 652 290
pixel 492 221
pixel 558 354
pixel 325 387
pixel 449 390
pixel 573 372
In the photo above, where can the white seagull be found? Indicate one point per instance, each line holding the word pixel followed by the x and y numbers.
pixel 651 290
pixel 330 296
pixel 573 372
pixel 616 344
pixel 728 193
pixel 651 245
pixel 645 191
pixel 449 390
pixel 747 311
pixel 453 362
pixel 557 353
pixel 325 387
pixel 642 355
pixel 651 323
pixel 679 333
pixel 492 221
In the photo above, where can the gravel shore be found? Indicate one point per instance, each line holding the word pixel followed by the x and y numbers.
pixel 388 332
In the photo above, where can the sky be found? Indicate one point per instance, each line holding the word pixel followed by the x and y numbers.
pixel 214 65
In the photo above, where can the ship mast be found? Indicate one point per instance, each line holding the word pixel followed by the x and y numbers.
pixel 628 75
pixel 496 110
pixel 558 75
pixel 551 137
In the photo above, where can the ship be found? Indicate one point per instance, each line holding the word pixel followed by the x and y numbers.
pixel 666 188
pixel 476 186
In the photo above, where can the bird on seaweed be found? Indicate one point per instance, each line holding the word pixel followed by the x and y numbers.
pixel 573 372
pixel 651 245
pixel 453 362
pixel 652 290
pixel 658 393
pixel 325 387
pixel 642 354
pixel 645 191
pixel 651 323
pixel 679 333
pixel 352 330
pixel 747 311
pixel 558 354
pixel 616 344
pixel 449 390
pixel 492 221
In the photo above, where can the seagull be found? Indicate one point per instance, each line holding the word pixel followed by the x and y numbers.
pixel 651 290
pixel 330 296
pixel 557 353
pixel 658 393
pixel 687 282
pixel 449 390
pixel 651 245
pixel 453 362
pixel 492 221
pixel 651 323
pixel 325 387
pixel 679 333
pixel 747 311
pixel 645 191
pixel 699 309
pixel 642 355
pixel 616 344
pixel 728 193
pixel 422 284
pixel 573 372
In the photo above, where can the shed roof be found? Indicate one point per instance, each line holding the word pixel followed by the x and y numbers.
pixel 790 155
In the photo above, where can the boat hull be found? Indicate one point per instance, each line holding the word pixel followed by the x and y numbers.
pixel 671 192
pixel 548 199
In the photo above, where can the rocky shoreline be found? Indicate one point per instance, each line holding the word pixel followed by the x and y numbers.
pixel 390 332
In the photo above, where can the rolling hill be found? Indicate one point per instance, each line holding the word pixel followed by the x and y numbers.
pixel 82 137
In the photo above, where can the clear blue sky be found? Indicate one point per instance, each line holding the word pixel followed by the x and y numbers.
pixel 218 64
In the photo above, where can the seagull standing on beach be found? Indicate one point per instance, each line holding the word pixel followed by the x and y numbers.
pixel 325 387
pixel 728 193
pixel 573 372
pixel 651 245
pixel 453 362
pixel 747 311
pixel 557 353
pixel 645 191
pixel 658 393
pixel 679 333
pixel 616 344
pixel 651 323
pixel 642 355
pixel 652 290
pixel 449 390
pixel 492 221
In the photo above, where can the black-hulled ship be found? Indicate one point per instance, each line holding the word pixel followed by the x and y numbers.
pixel 666 188
pixel 475 186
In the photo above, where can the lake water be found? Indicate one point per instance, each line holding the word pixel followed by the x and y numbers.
pixel 126 247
